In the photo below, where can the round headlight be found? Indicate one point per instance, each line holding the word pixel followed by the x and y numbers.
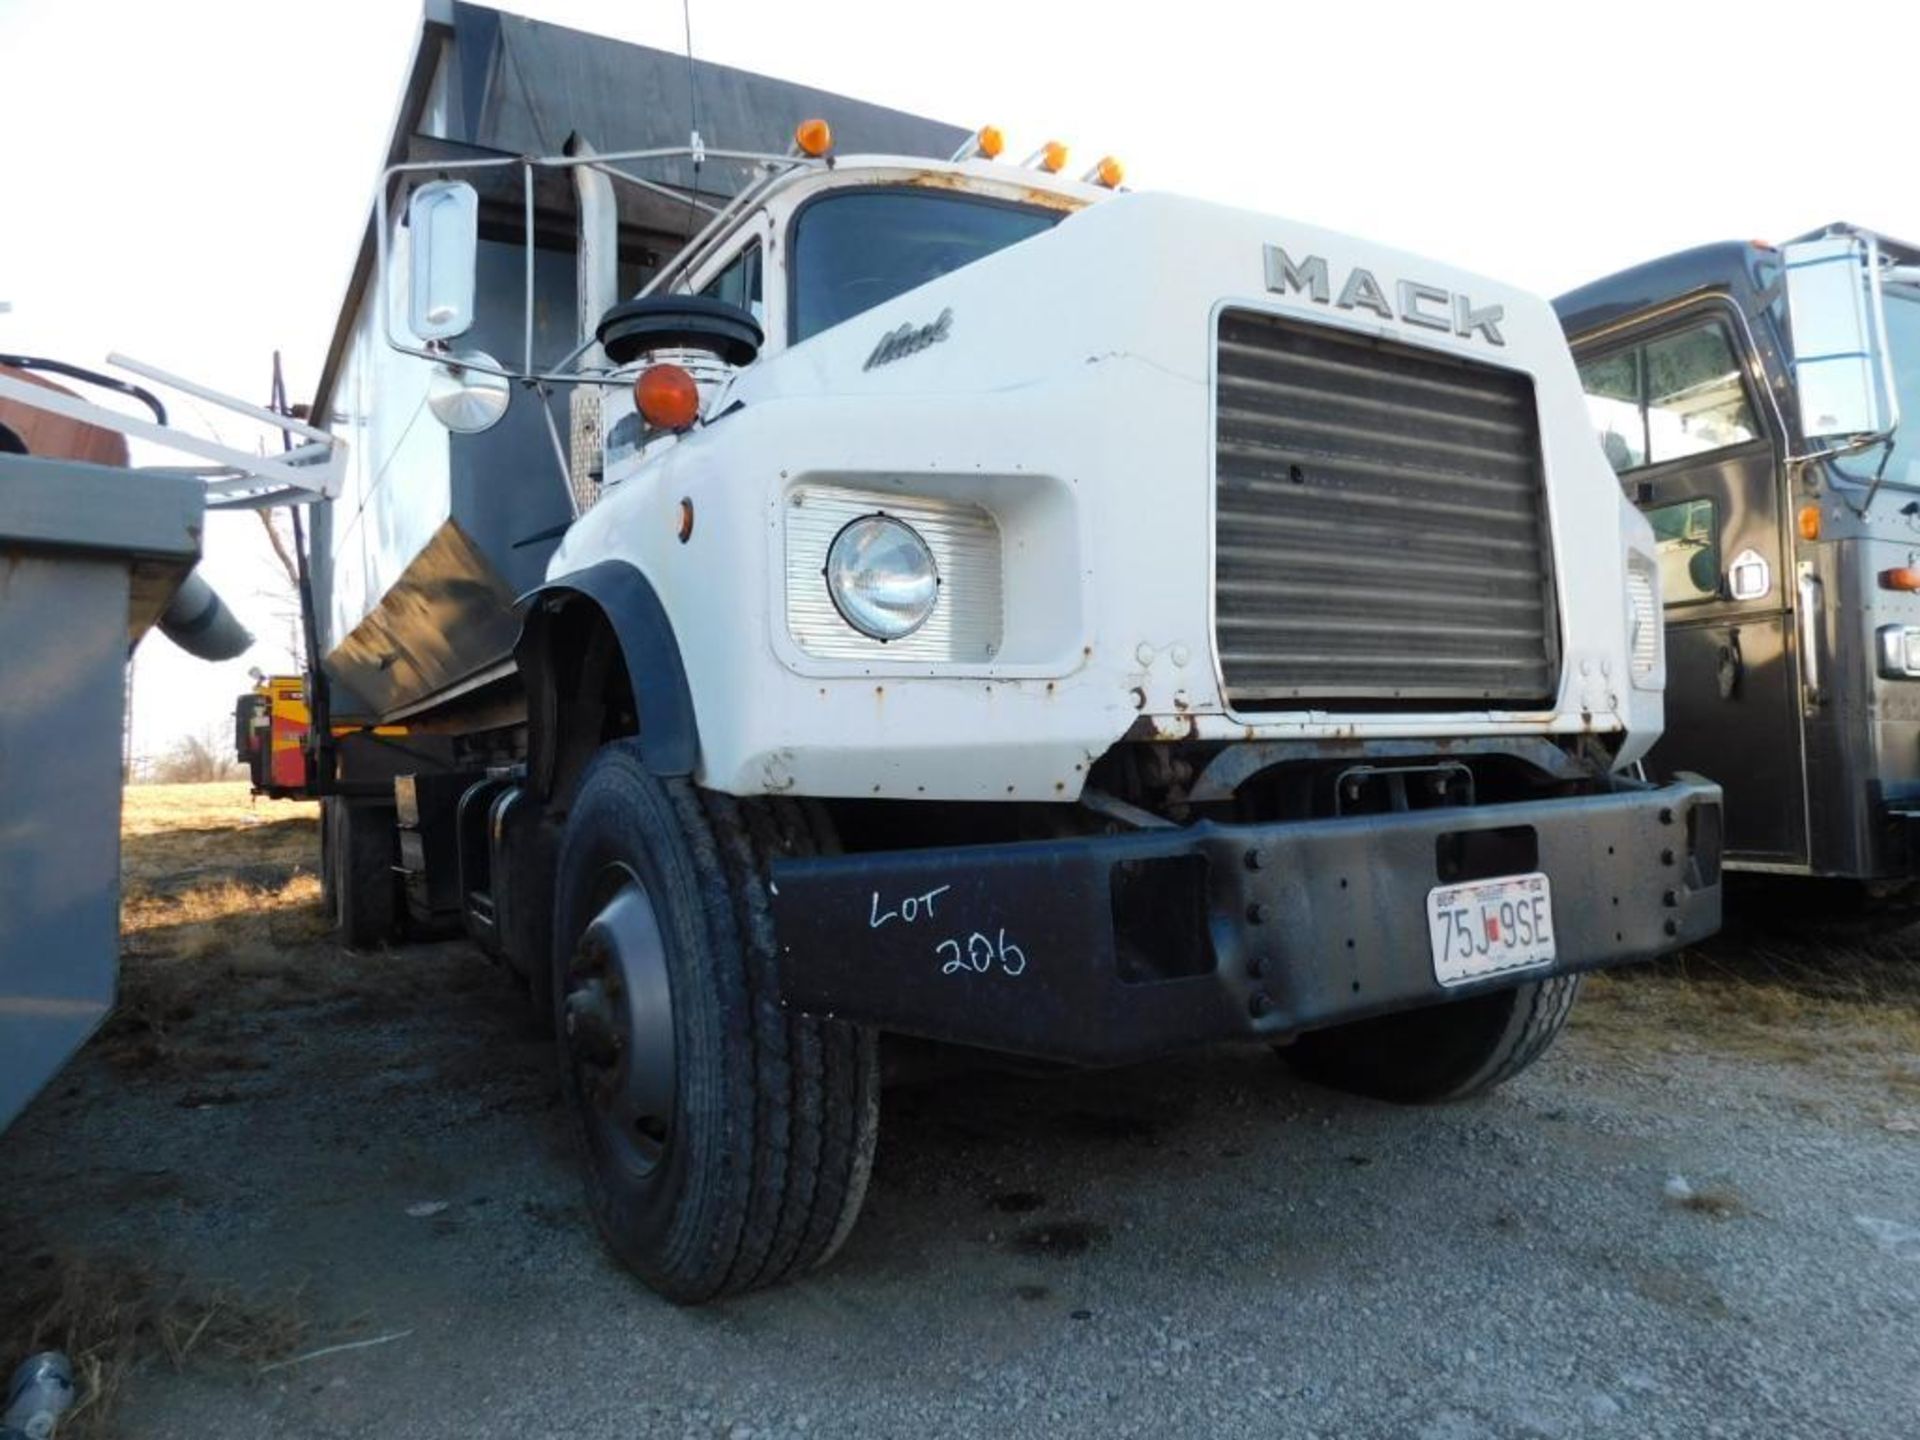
pixel 882 578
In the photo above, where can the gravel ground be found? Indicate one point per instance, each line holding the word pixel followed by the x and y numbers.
pixel 1203 1246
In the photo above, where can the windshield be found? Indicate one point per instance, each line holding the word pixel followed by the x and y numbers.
pixel 855 249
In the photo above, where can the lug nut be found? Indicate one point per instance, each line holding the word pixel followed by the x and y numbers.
pixel 1671 900
pixel 1256 966
pixel 1259 1003
pixel 1255 859
pixel 1666 857
pixel 1672 927
pixel 1257 913
pixel 1666 816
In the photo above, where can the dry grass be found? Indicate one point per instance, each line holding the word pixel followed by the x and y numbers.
pixel 172 835
pixel 1846 1009
pixel 221 921
pixel 113 1316
pixel 221 915
pixel 146 809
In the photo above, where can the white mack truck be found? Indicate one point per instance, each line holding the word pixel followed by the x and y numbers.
pixel 951 599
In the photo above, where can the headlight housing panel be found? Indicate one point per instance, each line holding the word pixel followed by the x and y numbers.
pixel 832 530
pixel 1646 625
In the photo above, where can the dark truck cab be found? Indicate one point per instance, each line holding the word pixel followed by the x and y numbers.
pixel 1788 530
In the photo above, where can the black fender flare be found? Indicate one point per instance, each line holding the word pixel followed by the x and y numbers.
pixel 626 600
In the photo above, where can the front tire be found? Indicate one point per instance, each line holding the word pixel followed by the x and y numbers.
pixel 727 1141
pixel 1441 1052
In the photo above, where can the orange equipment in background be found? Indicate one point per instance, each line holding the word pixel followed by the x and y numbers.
pixel 271 726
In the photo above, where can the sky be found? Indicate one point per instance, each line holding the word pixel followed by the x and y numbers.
pixel 186 183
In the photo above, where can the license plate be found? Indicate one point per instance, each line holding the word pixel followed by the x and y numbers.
pixel 1490 927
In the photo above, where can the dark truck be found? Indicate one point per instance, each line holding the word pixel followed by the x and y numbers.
pixel 1755 403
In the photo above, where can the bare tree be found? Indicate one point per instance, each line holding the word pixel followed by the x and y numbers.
pixel 197 760
pixel 282 547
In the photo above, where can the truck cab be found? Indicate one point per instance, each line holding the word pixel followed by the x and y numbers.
pixel 1784 542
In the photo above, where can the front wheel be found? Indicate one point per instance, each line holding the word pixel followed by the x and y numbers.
pixel 727 1141
pixel 1442 1052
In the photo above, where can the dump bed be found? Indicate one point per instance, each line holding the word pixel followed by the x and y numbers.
pixel 418 563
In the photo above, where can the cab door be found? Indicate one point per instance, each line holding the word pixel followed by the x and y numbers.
pixel 1679 423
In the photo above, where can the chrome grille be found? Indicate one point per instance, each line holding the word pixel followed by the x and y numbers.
pixel 1379 531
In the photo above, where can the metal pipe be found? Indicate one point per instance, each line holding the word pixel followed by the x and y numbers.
pixel 91 377
pixel 778 167
pixel 199 622
pixel 526 239
pixel 312 481
pixel 657 188
pixel 597 253
pixel 559 449
pixel 225 402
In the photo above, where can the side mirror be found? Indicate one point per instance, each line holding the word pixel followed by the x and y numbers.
pixel 1841 370
pixel 443 223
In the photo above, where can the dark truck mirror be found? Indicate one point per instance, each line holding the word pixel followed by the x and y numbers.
pixel 443 228
pixel 1841 370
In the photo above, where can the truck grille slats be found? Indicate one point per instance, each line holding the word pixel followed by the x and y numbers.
pixel 1379 529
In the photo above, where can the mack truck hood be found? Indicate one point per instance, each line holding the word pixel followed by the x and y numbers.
pixel 1070 385
pixel 1140 275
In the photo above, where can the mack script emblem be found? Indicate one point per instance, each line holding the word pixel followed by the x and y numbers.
pixel 910 340
pixel 1431 307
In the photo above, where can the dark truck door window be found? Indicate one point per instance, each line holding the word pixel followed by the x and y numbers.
pixel 1678 421
pixel 1671 397
pixel 857 248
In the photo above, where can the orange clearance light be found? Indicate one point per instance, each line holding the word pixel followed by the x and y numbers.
pixel 991 141
pixel 814 137
pixel 1109 172
pixel 1053 157
pixel 1903 577
pixel 667 397
pixel 1809 522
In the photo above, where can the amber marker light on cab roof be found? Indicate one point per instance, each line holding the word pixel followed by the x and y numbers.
pixel 1051 157
pixel 985 143
pixel 667 397
pixel 1109 172
pixel 1809 522
pixel 991 141
pixel 813 137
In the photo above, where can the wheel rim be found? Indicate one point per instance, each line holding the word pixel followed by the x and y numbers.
pixel 618 1017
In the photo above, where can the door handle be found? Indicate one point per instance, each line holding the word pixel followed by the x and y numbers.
pixel 1812 594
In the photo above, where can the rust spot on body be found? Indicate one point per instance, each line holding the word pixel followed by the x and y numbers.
pixel 1026 194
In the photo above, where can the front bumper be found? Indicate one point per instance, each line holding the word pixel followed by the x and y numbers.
pixel 1109 948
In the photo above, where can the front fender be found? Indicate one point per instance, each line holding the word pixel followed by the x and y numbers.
pixel 572 628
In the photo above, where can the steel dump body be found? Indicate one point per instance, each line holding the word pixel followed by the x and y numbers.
pixel 417 566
